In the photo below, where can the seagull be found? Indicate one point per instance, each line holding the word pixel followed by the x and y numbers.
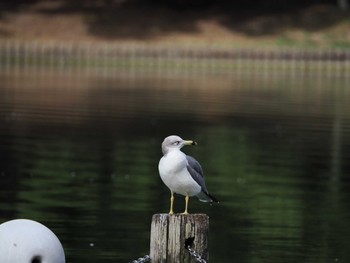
pixel 181 173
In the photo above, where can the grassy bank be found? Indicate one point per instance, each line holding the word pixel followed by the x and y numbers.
pixel 112 58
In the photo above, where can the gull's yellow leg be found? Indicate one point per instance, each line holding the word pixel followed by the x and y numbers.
pixel 186 205
pixel 171 212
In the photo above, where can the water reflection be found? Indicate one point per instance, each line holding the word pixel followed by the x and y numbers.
pixel 80 154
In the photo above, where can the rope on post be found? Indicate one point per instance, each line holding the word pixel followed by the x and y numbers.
pixel 193 253
pixel 142 260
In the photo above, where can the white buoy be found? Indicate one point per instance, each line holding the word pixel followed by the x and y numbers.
pixel 27 241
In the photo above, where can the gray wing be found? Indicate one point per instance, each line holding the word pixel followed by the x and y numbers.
pixel 195 170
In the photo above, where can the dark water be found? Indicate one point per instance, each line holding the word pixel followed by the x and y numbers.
pixel 80 153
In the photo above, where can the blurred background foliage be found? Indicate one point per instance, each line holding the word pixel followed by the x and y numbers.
pixel 323 23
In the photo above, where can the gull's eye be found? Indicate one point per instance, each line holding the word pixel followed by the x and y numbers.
pixel 176 143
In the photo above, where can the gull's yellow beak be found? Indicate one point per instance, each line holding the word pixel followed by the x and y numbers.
pixel 189 142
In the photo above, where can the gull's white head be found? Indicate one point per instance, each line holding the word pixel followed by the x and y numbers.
pixel 174 142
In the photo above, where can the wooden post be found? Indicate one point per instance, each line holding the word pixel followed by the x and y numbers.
pixel 170 232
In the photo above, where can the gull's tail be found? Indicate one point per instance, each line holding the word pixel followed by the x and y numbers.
pixel 206 197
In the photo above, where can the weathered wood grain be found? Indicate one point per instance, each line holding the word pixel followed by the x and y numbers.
pixel 169 233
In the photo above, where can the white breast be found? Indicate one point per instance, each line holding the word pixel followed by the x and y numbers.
pixel 173 171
